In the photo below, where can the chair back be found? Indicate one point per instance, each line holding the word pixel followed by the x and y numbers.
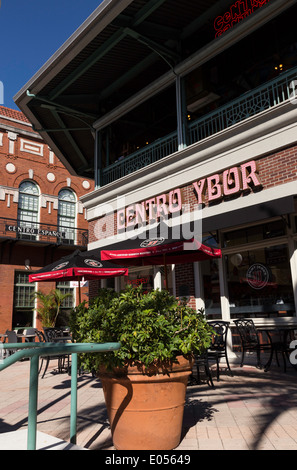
pixel 29 331
pixel 247 331
pixel 219 339
pixel 40 336
pixel 11 336
pixel 52 333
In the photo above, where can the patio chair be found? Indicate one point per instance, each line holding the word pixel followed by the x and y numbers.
pixel 53 335
pixel 250 341
pixel 218 348
pixel 11 338
pixel 201 360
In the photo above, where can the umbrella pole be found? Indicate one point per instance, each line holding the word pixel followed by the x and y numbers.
pixel 79 292
pixel 165 268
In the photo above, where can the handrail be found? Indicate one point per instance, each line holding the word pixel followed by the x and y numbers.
pixel 34 351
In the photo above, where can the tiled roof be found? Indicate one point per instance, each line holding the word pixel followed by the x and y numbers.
pixel 13 114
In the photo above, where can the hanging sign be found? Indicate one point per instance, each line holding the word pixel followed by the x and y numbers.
pixel 237 12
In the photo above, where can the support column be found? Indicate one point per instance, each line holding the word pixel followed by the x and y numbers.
pixel 199 291
pixel 181 113
pixel 98 160
pixel 225 307
pixel 293 265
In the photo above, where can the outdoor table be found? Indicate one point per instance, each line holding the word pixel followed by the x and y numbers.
pixel 28 337
pixel 281 345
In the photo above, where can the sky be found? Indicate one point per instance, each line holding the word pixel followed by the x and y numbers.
pixel 31 31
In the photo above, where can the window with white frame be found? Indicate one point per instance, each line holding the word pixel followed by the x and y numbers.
pixel 67 215
pixel 28 209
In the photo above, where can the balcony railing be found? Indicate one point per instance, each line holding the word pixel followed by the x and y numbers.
pixel 266 96
pixel 149 154
pixel 43 233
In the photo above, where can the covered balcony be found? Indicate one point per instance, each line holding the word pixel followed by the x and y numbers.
pixel 143 80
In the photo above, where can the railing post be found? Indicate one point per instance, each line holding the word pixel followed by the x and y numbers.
pixel 33 396
pixel 73 406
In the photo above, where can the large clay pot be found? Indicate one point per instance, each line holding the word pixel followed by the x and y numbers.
pixel 146 411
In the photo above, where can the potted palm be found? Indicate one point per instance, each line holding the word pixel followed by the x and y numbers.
pixel 145 381
pixel 50 306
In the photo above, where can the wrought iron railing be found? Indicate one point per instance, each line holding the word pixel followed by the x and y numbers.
pixel 34 351
pixel 149 154
pixel 266 96
pixel 35 231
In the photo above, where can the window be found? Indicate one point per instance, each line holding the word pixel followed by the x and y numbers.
pixel 28 208
pixel 211 286
pixel 255 234
pixel 67 215
pixel 68 304
pixel 23 302
pixel 260 283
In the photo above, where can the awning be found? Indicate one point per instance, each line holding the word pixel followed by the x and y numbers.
pixel 255 213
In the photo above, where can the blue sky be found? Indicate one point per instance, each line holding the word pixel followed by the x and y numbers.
pixel 30 33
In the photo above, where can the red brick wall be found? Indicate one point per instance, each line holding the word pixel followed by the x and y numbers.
pixel 13 255
pixel 273 170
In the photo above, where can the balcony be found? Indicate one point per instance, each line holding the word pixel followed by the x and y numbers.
pixel 264 97
pixel 18 230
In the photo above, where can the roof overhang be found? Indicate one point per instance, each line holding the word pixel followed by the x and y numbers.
pixel 125 52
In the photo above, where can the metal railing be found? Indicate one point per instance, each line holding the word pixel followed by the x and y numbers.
pixel 149 154
pixel 34 351
pixel 40 232
pixel 266 96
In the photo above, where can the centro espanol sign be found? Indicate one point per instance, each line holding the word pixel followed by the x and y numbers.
pixel 213 188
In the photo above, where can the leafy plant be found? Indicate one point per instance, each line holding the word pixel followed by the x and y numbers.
pixel 50 306
pixel 153 328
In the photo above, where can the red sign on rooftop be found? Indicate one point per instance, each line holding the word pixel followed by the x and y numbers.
pixel 237 12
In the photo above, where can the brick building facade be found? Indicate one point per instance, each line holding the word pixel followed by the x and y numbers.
pixel 41 217
pixel 199 118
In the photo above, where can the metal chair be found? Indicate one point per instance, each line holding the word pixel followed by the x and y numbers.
pixel 250 341
pixel 11 338
pixel 202 360
pixel 218 348
pixel 53 335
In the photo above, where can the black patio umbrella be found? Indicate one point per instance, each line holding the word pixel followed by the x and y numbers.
pixel 161 246
pixel 78 265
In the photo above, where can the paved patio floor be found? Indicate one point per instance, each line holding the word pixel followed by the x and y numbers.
pixel 252 410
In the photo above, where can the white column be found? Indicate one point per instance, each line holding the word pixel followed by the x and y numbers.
pixel 198 282
pixel 157 278
pixel 225 303
pixel 293 265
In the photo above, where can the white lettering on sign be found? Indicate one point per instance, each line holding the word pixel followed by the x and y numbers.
pixel 232 181
pixel 151 209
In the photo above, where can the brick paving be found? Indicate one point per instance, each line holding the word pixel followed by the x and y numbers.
pixel 252 410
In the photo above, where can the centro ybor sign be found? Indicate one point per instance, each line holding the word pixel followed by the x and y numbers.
pixel 213 188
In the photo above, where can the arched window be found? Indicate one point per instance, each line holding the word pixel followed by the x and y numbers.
pixel 28 208
pixel 67 215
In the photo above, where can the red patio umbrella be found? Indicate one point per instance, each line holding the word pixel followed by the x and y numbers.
pixel 78 265
pixel 159 247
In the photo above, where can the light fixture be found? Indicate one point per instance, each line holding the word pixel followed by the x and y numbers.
pixel 27 264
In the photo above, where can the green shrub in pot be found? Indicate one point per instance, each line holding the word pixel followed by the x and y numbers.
pixel 154 328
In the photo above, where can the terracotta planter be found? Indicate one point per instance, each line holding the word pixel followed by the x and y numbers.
pixel 146 411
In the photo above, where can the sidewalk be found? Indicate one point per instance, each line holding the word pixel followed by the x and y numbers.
pixel 252 410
